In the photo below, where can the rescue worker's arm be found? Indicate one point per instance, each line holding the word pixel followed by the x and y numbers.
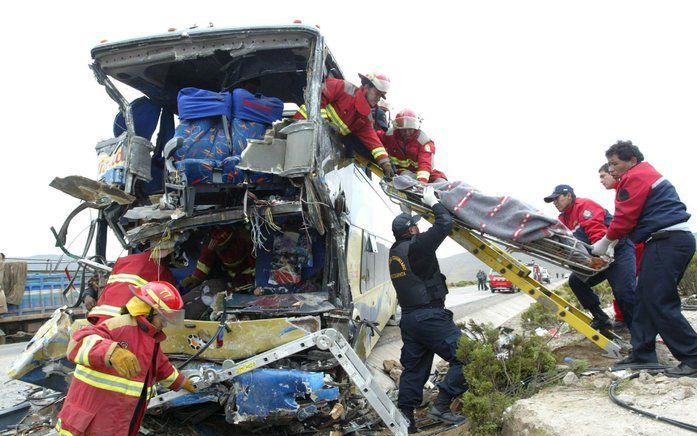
pixel 167 375
pixel 632 193
pixel 594 226
pixel 92 347
pixel 367 135
pixel 431 239
pixel 206 261
pixel 425 162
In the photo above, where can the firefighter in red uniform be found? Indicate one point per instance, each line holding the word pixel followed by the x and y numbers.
pixel 410 149
pixel 648 209
pixel 589 220
pixel 233 250
pixel 118 363
pixel 134 269
pixel 348 108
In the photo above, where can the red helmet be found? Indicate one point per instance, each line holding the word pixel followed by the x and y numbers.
pixel 221 236
pixel 380 81
pixel 163 297
pixel 407 119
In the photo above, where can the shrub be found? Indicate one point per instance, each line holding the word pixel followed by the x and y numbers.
pixel 688 284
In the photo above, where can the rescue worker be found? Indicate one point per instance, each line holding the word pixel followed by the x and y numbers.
pixel 410 149
pixel 648 209
pixel 118 362
pixel 380 115
pixel 232 249
pixel 589 220
pixel 348 108
pixel 427 327
pixel 133 270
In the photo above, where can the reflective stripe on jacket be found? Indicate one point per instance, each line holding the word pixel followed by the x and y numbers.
pixel 415 155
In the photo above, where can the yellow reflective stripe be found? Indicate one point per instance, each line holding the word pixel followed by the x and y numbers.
pixel 109 382
pixel 167 382
pixel 336 120
pixel 303 111
pixel 233 263
pixel 203 267
pixel 59 429
pixel 377 152
pixel 105 309
pixel 423 175
pixel 402 163
pixel 161 304
pixel 127 278
pixel 83 354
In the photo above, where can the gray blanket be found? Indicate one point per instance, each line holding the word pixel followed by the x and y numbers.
pixel 503 217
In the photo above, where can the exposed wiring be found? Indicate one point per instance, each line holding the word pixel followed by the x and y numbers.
pixel 611 393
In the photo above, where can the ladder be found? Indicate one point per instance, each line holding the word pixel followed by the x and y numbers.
pixel 496 258
pixel 326 339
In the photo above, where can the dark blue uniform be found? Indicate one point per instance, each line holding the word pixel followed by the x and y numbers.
pixel 647 208
pixel 427 327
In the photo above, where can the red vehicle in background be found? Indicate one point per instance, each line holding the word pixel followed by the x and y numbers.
pixel 499 283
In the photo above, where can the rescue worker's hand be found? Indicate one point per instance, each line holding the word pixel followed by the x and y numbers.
pixel 89 302
pixel 601 247
pixel 386 166
pixel 190 282
pixel 189 385
pixel 125 363
pixel 429 196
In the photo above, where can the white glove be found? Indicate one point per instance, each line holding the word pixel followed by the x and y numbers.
pixel 611 249
pixel 429 196
pixel 601 247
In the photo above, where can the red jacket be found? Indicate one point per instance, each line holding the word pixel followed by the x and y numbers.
pixel 236 257
pixel 415 155
pixel 345 106
pixel 587 219
pixel 100 401
pixel 134 269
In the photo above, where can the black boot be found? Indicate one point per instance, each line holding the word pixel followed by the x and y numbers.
pixel 408 413
pixel 600 319
pixel 441 410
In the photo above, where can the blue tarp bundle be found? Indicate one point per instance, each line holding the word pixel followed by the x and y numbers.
pixel 256 107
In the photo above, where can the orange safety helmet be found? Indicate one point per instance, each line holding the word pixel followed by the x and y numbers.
pixel 163 297
pixel 380 81
pixel 407 119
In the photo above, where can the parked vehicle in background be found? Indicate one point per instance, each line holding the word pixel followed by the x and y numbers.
pixel 499 283
pixel 545 275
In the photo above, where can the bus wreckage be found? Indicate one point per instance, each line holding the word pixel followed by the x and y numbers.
pixel 279 341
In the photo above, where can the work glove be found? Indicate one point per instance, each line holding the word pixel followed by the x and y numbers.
pixel 429 196
pixel 190 282
pixel 602 247
pixel 188 385
pixel 387 170
pixel 125 363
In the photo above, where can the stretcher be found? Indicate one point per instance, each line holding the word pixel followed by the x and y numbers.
pixel 568 253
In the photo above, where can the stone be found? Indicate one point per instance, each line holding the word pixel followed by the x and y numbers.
pixel 395 374
pixel 601 383
pixel 627 399
pixel 645 377
pixel 682 393
pixel 570 379
pixel 660 378
pixel 687 381
pixel 388 365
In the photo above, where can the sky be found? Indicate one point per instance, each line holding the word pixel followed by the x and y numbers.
pixel 518 96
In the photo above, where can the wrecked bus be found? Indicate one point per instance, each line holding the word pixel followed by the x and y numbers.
pixel 317 222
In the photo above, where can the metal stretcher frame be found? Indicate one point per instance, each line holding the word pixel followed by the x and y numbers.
pixel 509 267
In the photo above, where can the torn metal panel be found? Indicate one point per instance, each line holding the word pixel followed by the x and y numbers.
pixel 149 213
pixel 303 303
pixel 91 191
pixel 241 339
pixel 290 152
pixel 263 393
pixel 225 216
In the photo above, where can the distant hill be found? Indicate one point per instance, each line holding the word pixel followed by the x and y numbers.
pixel 464 266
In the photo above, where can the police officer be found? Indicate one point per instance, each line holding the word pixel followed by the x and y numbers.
pixel 426 326
pixel 589 222
pixel 648 209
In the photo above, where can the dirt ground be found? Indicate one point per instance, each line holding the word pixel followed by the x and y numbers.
pixel 583 407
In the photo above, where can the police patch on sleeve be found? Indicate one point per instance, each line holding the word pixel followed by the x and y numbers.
pixel 587 214
pixel 623 195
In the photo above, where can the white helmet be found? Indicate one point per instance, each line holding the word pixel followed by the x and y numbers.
pixel 380 81
pixel 407 119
